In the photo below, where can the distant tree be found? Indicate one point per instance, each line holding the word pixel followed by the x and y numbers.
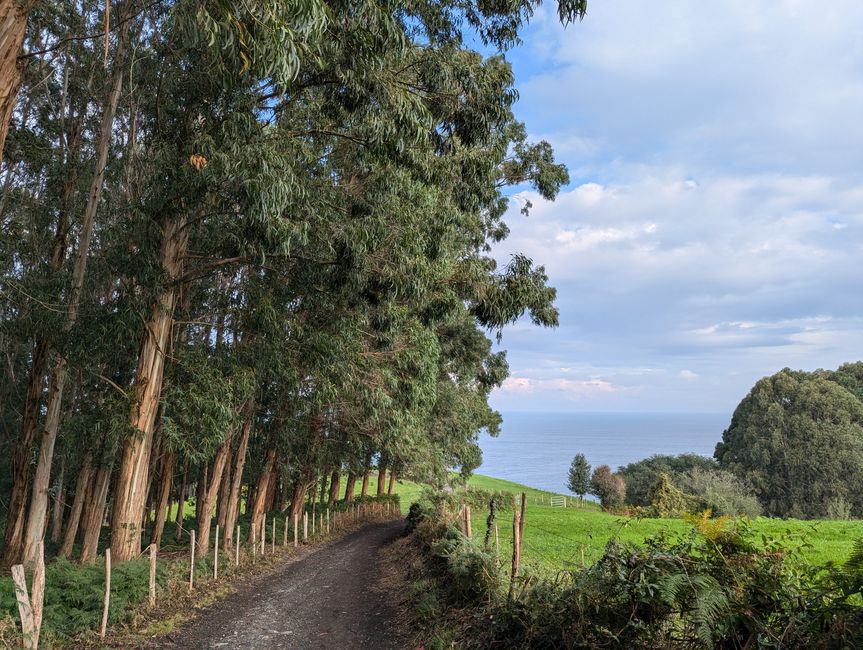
pixel 608 487
pixel 642 475
pixel 579 476
pixel 797 438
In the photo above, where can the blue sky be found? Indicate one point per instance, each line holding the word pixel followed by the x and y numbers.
pixel 713 230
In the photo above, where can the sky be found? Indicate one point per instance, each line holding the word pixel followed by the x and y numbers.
pixel 712 232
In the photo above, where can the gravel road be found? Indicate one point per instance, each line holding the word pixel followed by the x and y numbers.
pixel 335 597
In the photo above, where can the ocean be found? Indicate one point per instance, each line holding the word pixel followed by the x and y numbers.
pixel 536 448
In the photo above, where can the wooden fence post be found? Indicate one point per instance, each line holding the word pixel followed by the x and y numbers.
pixel 25 609
pixel 192 564
pixel 107 601
pixel 237 547
pixel 285 533
pixel 216 555
pixel 496 540
pixel 305 527
pixel 254 542
pixel 328 521
pixel 263 534
pixel 296 532
pixel 152 575
pixel 467 522
pixel 516 548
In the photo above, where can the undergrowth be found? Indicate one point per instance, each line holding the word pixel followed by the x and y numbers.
pixel 719 585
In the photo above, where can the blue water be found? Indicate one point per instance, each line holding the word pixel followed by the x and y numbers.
pixel 536 448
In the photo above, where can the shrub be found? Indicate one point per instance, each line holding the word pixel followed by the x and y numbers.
pixel 666 500
pixel 643 474
pixel 721 492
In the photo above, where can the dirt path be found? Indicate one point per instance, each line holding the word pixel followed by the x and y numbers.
pixel 335 597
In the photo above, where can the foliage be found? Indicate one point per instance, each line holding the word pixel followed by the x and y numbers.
pixel 721 492
pixel 641 475
pixel 797 438
pixel 666 500
pixel 609 488
pixel 579 476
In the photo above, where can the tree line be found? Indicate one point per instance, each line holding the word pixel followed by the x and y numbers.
pixel 246 246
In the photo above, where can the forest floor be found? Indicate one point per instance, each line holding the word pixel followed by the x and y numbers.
pixel 340 595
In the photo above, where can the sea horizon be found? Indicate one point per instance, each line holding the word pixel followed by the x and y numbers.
pixel 535 448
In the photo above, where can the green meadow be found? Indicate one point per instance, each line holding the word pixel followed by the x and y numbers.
pixel 556 538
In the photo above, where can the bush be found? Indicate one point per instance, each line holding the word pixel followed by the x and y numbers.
pixel 473 573
pixel 666 500
pixel 642 475
pixel 721 492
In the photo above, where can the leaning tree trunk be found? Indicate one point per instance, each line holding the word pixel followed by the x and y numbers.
pixel 263 485
pixel 335 483
pixel 35 533
pixel 323 492
pixel 392 484
pixel 131 489
pixel 223 495
pixel 94 514
pixel 237 477
pixel 299 496
pixel 13 24
pixel 82 487
pixel 207 503
pixel 162 500
pixel 350 486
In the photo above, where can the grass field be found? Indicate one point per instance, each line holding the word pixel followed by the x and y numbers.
pixel 554 538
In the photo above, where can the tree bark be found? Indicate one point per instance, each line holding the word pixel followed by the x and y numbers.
pixel 392 484
pixel 263 484
pixel 350 486
pixel 13 25
pixel 13 544
pixel 82 488
pixel 181 501
pixel 131 487
pixel 237 478
pixel 94 514
pixel 335 483
pixel 366 475
pixel 208 502
pixel 299 496
pixel 168 460
pixel 382 475
pixel 59 505
pixel 224 495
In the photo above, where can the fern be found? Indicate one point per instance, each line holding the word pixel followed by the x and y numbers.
pixel 855 561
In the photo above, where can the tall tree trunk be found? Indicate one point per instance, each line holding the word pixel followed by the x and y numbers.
pixel 263 484
pixel 181 501
pixel 392 484
pixel 82 489
pixel 59 504
pixel 237 477
pixel 168 460
pixel 94 515
pixel 35 533
pixel 131 488
pixel 208 502
pixel 223 495
pixel 382 475
pixel 13 24
pixel 13 545
pixel 366 475
pixel 350 486
pixel 299 495
pixel 322 497
pixel 335 483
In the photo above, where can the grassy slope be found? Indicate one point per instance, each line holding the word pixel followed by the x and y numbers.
pixel 555 537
